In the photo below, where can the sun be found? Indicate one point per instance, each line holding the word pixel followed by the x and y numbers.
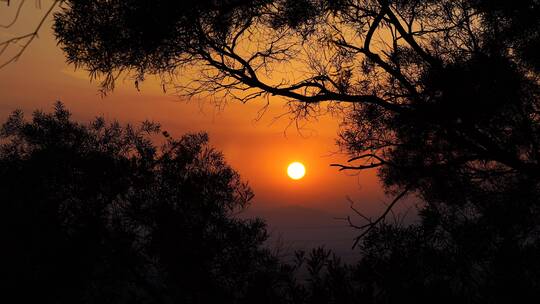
pixel 296 170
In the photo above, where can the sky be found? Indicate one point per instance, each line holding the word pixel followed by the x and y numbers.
pixel 300 213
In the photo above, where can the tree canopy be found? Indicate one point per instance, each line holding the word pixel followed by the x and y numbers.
pixel 440 96
pixel 415 72
pixel 98 213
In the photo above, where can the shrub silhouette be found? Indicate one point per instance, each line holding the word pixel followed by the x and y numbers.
pixel 98 213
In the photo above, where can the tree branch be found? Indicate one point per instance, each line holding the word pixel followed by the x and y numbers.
pixel 372 224
pixel 28 37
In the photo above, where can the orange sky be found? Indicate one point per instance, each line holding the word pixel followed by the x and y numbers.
pixel 258 149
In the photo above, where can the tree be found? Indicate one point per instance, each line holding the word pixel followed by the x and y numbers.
pixel 441 72
pixel 97 213
pixel 441 97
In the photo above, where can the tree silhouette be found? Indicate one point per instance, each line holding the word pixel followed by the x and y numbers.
pixel 440 96
pixel 443 85
pixel 98 213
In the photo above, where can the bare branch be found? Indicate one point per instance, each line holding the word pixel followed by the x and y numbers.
pixel 26 39
pixel 15 17
pixel 372 224
pixel 366 157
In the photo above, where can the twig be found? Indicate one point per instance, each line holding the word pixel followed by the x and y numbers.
pixel 19 8
pixel 372 224
pixel 368 157
pixel 29 37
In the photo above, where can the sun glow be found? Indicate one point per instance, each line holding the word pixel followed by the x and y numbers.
pixel 296 170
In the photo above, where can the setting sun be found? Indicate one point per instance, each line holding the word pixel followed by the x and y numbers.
pixel 296 170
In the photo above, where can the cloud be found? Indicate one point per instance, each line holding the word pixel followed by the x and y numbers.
pixel 77 74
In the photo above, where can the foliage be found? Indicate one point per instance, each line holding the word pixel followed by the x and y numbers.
pixel 98 213
pixel 442 98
